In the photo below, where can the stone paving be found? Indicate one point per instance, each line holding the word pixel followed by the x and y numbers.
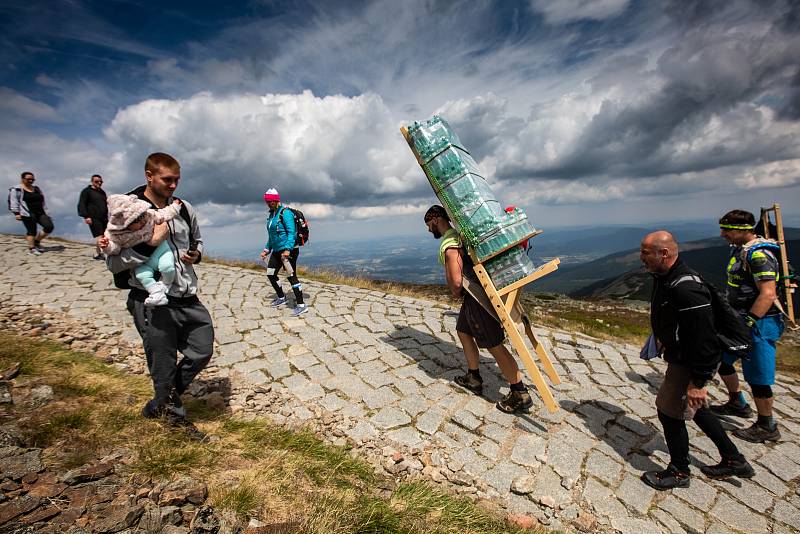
pixel 383 366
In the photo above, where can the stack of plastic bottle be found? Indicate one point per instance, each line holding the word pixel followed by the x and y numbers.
pixel 477 214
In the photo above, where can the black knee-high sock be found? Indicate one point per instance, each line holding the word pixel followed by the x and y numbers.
pixel 296 289
pixel 711 427
pixel 677 439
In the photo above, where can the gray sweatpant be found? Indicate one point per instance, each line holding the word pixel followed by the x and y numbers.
pixel 165 330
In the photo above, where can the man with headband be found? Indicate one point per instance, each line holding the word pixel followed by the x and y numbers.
pixel 752 275
pixel 476 327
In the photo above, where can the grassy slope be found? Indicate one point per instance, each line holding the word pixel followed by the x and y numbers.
pixel 255 469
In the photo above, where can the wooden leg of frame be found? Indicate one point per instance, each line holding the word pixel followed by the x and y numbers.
pixel 547 363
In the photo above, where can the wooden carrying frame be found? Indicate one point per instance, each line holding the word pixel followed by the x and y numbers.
pixel 506 303
pixel 788 284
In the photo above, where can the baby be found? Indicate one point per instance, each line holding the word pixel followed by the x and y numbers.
pixel 131 221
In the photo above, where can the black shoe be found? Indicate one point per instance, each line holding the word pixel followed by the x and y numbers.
pixel 729 468
pixel 667 479
pixel 470 382
pixel 515 402
pixel 757 433
pixel 733 408
pixel 152 410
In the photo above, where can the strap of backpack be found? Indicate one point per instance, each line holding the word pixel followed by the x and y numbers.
pixel 184 213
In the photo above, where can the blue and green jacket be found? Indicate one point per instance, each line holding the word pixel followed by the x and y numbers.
pixel 281 231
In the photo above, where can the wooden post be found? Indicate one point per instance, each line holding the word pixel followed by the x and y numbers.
pixel 788 284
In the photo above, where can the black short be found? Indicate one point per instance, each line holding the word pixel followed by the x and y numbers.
pixel 98 228
pixel 41 219
pixel 475 321
pixel 276 263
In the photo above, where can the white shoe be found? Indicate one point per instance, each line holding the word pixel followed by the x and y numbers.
pixel 33 252
pixel 158 295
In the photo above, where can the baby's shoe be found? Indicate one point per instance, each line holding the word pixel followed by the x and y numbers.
pixel 158 295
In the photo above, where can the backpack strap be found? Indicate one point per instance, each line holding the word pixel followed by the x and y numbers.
pixel 690 278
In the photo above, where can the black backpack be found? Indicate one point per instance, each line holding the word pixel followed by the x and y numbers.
pixel 733 334
pixel 300 224
pixel 122 278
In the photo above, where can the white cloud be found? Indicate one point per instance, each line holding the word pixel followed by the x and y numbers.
pixel 561 11
pixel 14 104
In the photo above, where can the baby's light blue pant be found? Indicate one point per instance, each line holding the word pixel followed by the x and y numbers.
pixel 163 261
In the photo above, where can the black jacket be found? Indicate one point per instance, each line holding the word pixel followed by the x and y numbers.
pixel 683 321
pixel 92 203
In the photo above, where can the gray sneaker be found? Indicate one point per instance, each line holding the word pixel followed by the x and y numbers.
pixel 278 301
pixel 299 309
pixel 756 433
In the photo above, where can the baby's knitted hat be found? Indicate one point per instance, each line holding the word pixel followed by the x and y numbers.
pixel 272 194
pixel 124 209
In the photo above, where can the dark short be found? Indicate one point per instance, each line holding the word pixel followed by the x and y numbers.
pixel 41 219
pixel 475 321
pixel 98 228
pixel 671 399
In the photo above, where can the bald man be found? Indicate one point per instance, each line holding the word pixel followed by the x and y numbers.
pixel 682 320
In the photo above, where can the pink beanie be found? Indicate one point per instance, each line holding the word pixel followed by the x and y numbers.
pixel 272 194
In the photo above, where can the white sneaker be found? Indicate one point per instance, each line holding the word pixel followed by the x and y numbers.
pixel 299 309
pixel 158 295
pixel 34 252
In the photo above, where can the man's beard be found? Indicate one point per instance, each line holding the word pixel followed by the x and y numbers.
pixel 436 234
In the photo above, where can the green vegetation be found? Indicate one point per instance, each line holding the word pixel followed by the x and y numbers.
pixel 252 468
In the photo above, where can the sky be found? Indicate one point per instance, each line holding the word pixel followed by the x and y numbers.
pixel 582 112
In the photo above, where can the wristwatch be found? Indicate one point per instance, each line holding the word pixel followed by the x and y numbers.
pixel 699 383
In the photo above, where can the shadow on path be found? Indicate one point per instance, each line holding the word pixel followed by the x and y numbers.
pixel 625 435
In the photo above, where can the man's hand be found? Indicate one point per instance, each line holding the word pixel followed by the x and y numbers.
pixel 285 254
pixel 190 256
pixel 87 220
pixel 160 233
pixel 18 217
pixel 695 396
pixel 264 254
pixel 102 242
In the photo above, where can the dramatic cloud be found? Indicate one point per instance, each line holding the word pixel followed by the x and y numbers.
pixel 572 10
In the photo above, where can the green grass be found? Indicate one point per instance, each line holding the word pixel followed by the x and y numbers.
pixel 253 468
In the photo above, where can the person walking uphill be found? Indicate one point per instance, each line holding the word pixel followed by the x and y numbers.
pixel 475 326
pixel 26 202
pixel 93 209
pixel 682 320
pixel 183 324
pixel 753 272
pixel 282 250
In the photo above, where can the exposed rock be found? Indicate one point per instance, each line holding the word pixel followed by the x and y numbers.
pixel 42 513
pixel 10 372
pixel 5 392
pixel 116 518
pixel 523 484
pixel 522 521
pixel 16 467
pixel 183 490
pixel 87 473
pixel 17 507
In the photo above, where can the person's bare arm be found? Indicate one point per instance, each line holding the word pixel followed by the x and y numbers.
pixel 453 265
pixel 766 298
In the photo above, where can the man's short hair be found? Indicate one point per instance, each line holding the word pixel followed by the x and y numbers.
pixel 738 218
pixel 436 211
pixel 96 176
pixel 24 174
pixel 160 159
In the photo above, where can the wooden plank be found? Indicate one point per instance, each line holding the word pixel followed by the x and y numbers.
pixel 547 268
pixel 516 339
pixel 787 283
pixel 547 363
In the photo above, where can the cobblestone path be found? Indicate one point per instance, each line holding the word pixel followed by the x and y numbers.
pixel 379 368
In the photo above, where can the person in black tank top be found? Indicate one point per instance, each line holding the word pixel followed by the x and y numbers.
pixel 26 202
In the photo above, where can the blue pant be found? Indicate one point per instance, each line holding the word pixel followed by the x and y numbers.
pixel 759 368
pixel 161 260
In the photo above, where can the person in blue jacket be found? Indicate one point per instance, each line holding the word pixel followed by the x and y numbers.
pixel 282 250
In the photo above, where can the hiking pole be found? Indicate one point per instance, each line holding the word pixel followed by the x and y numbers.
pixel 788 282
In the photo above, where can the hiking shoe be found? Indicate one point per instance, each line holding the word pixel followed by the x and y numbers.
pixel 37 245
pixel 729 468
pixel 470 382
pixel 176 405
pixel 151 410
pixel 34 252
pixel 757 434
pixel 515 402
pixel 669 478
pixel 299 309
pixel 278 301
pixel 733 408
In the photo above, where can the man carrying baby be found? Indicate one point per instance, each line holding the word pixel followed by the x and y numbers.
pixel 183 324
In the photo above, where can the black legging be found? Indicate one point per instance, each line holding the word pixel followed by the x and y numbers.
pixel 677 437
pixel 41 219
pixel 275 264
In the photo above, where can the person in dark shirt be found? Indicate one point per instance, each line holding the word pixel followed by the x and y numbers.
pixel 26 202
pixel 752 275
pixel 93 207
pixel 682 321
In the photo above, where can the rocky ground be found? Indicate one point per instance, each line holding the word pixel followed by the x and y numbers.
pixel 375 371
